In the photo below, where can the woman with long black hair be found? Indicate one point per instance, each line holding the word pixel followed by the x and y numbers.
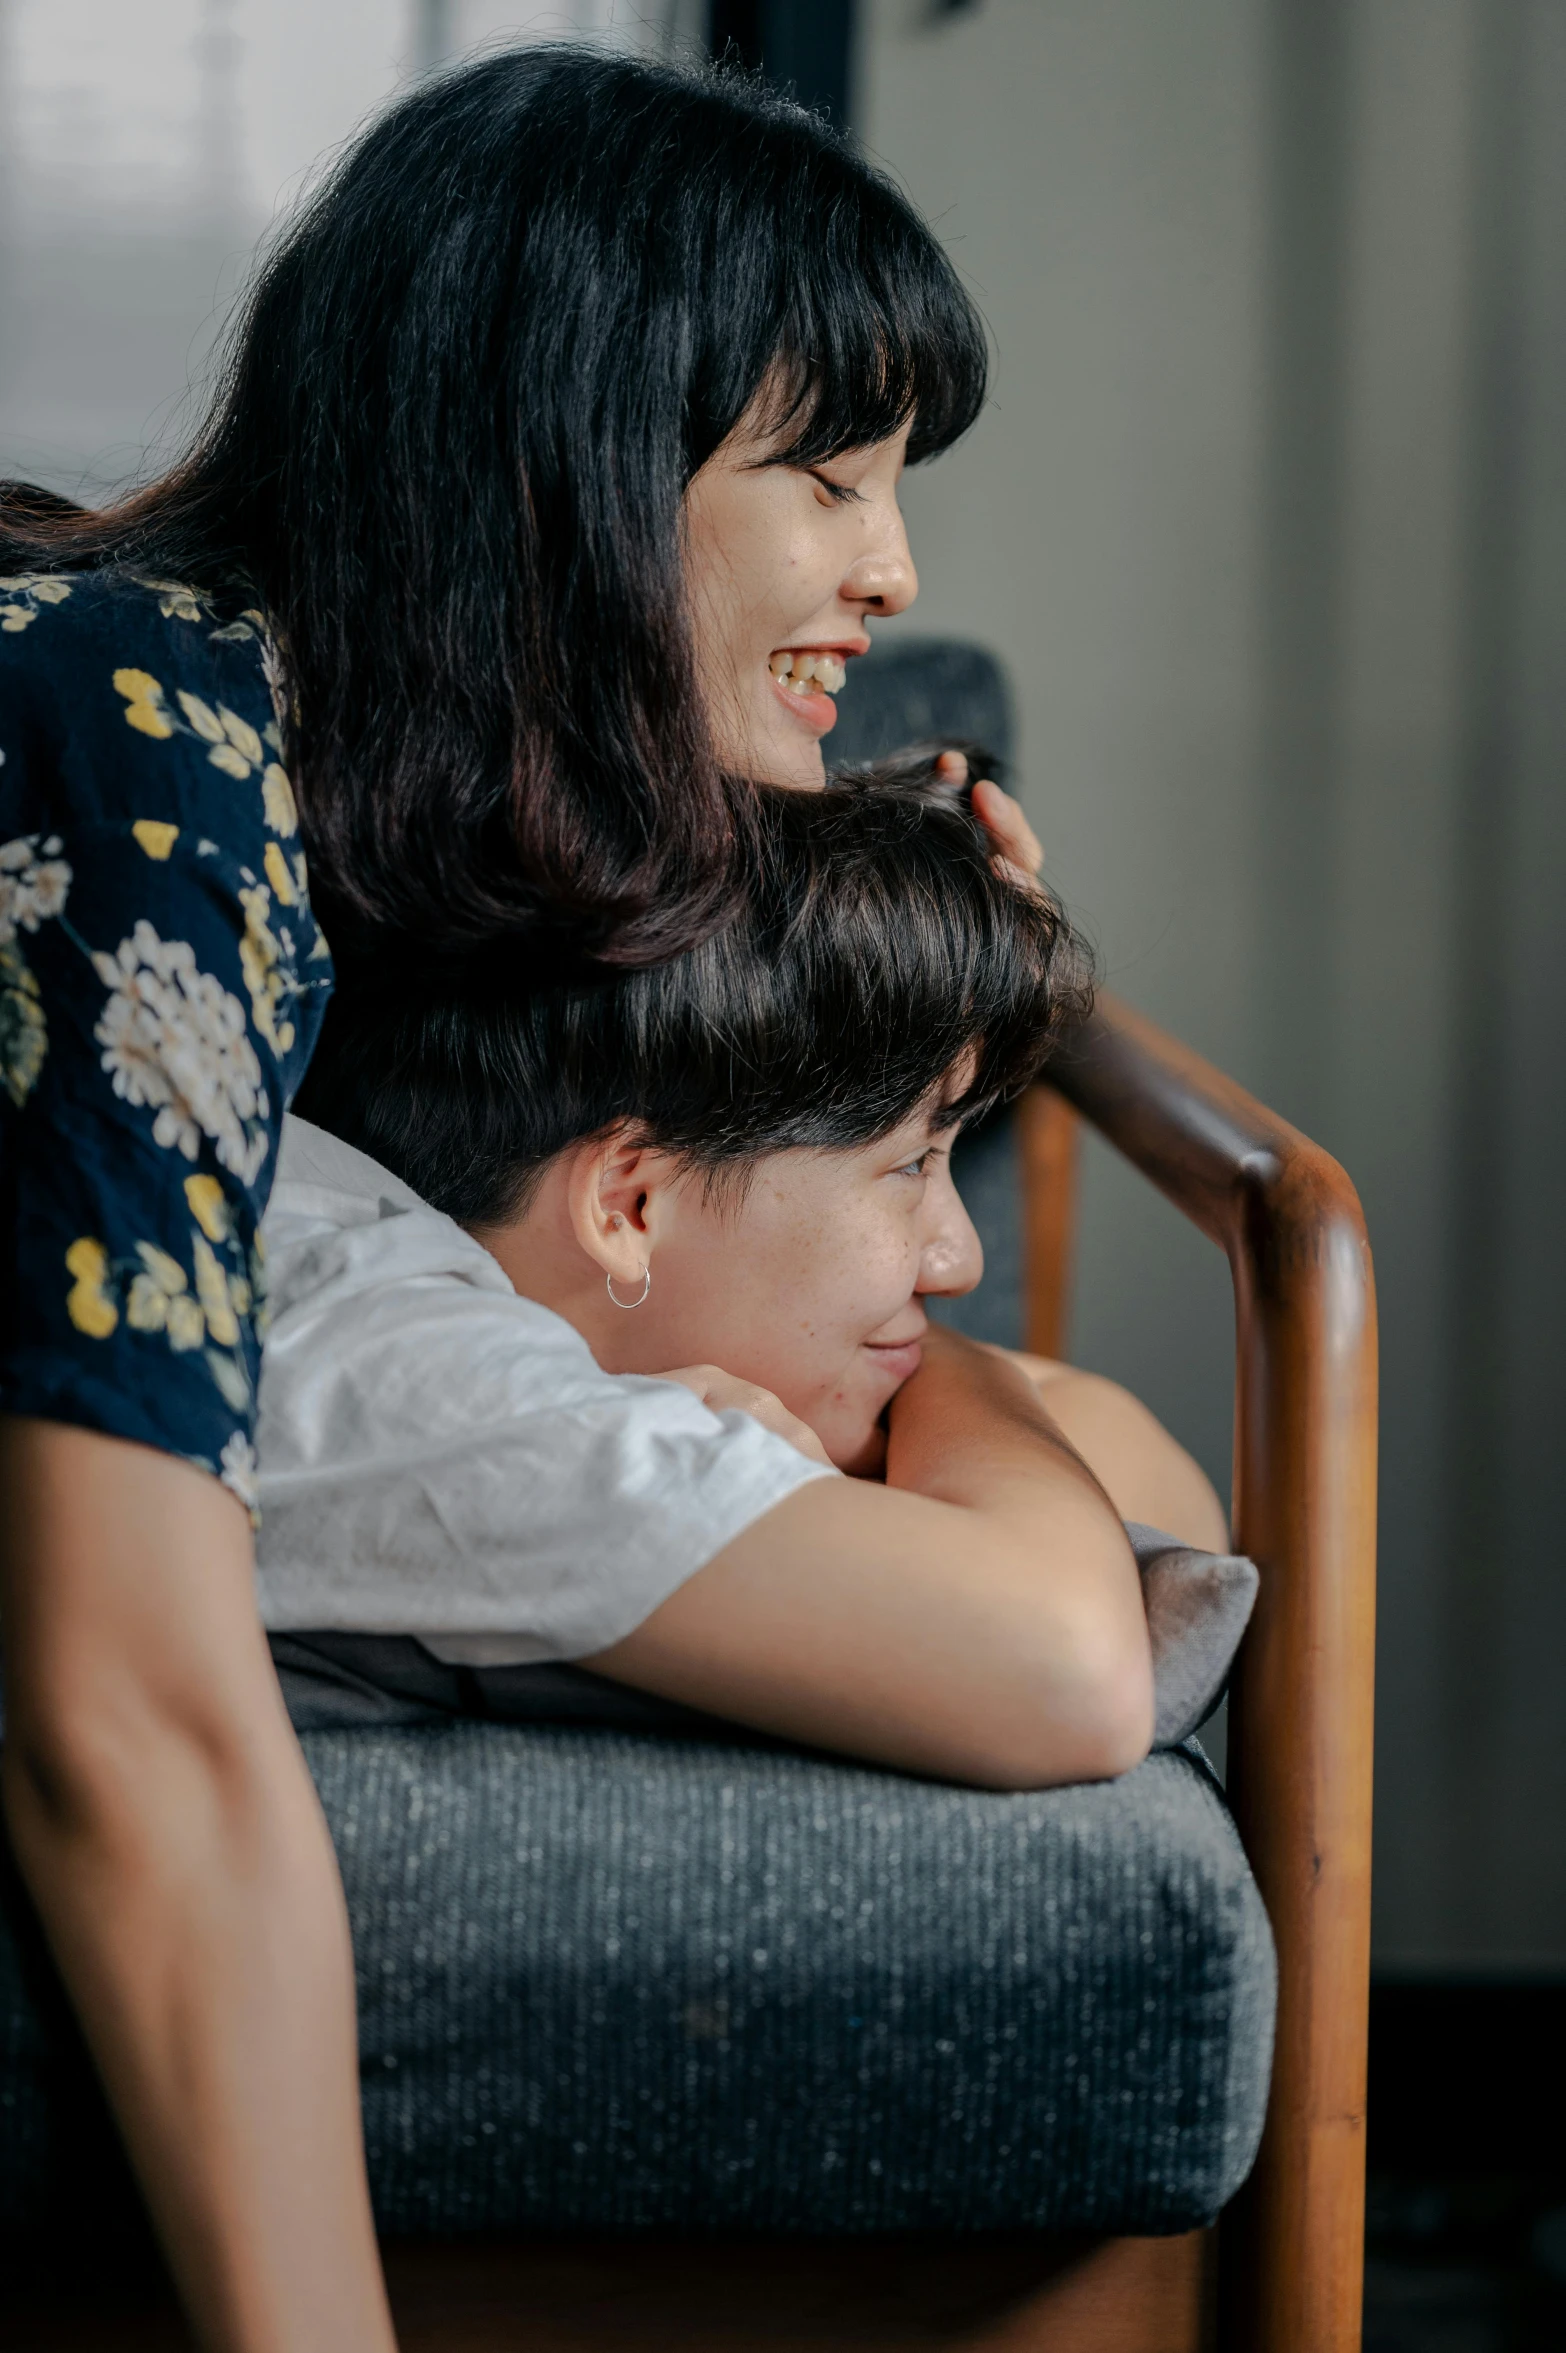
pixel 547 492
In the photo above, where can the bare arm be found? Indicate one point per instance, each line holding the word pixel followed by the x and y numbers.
pixel 166 1824
pixel 978 1617
pixel 1146 1474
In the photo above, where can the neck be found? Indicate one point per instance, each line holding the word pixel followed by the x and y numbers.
pixel 543 1259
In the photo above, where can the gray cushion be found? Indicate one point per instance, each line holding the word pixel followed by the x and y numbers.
pixel 614 1984
pixel 1198 1606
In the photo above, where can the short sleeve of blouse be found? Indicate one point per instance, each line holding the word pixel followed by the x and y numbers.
pixel 162 982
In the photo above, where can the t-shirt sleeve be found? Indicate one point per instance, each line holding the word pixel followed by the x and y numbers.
pixel 451 1463
pixel 162 981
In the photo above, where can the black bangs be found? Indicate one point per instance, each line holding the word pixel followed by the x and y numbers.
pixel 832 303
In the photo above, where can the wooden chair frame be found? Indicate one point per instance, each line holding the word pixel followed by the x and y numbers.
pixel 1289 2254
pixel 1302 1702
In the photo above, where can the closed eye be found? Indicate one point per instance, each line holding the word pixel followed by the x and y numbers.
pixel 841 493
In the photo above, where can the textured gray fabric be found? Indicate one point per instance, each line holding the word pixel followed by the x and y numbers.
pixel 617 1984
pixel 1198 1606
pixel 614 1984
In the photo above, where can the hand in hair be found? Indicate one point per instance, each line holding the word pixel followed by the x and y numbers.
pixel 1020 853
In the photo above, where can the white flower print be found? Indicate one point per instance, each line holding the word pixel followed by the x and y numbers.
pixel 237 1468
pixel 34 882
pixel 175 1039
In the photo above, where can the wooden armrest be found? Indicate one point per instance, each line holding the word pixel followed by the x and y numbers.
pixel 1300 1709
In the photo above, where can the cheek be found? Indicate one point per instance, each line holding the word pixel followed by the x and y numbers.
pixel 833 1285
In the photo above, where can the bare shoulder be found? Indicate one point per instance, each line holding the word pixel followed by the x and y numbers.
pixel 1147 1474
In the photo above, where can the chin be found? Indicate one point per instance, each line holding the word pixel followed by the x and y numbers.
pixel 796 764
pixel 861 1454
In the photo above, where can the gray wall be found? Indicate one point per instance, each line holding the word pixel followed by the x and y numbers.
pixel 1269 518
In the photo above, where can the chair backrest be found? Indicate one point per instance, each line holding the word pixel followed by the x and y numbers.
pixel 921 687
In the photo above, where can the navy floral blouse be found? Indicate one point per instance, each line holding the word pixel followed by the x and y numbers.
pixel 162 982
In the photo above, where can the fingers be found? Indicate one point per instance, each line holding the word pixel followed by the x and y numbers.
pixel 1014 838
pixel 1019 846
pixel 723 1392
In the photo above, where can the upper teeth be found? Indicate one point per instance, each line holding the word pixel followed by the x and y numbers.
pixel 799 672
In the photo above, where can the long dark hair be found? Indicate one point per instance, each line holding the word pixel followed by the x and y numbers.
pixel 879 948
pixel 457 416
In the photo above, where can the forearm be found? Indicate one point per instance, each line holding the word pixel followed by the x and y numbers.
pixel 971 1431
pixel 979 1617
pixel 200 1930
pixel 164 1819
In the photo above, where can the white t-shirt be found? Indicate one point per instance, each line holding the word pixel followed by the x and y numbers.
pixel 441 1458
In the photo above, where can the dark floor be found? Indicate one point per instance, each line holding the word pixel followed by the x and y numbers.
pixel 1475 2266
pixel 1465 2222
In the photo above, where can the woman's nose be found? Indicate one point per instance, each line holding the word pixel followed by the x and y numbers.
pixel 952 1260
pixel 882 576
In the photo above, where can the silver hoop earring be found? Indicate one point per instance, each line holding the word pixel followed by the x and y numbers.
pixel 641 1295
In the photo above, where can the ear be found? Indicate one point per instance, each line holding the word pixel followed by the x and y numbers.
pixel 619 1193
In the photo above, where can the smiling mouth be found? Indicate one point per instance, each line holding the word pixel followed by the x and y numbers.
pixel 901 1357
pixel 815 671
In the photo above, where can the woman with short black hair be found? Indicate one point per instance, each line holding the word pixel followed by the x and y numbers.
pixel 547 492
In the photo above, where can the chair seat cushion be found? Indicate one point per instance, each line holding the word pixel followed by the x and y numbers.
pixel 612 1984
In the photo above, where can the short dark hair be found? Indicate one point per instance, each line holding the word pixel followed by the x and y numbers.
pixel 877 947
pixel 460 409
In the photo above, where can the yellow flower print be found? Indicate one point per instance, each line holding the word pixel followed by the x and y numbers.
pixel 24 592
pixel 148 713
pixel 236 747
pixel 156 1296
pixel 278 876
pixel 209 1207
pixel 212 1291
pixel 277 797
pixel 176 602
pixel 24 1034
pixel 201 715
pixel 260 960
pixel 87 1303
pixel 159 1300
pixel 156 838
pixel 230 1375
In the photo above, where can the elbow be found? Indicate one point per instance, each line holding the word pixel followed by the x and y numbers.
pixel 1117 1732
pixel 1086 1716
